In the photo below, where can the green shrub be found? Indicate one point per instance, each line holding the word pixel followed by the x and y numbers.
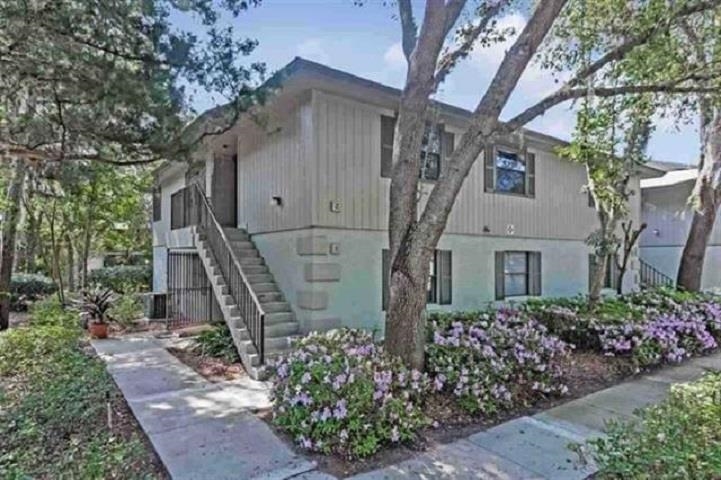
pixel 339 393
pixel 122 278
pixel 677 439
pixel 217 342
pixel 53 405
pixel 493 360
pixel 26 288
pixel 126 309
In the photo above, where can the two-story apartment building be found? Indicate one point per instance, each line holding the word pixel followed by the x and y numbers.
pixel 310 185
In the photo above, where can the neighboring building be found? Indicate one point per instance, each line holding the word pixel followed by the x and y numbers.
pixel 310 187
pixel 668 214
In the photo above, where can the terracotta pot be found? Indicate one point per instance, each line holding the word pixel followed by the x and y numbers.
pixel 98 330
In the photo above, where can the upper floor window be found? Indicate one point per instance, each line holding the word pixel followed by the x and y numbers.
pixel 177 209
pixel 509 171
pixel 431 153
pixel 157 204
pixel 437 145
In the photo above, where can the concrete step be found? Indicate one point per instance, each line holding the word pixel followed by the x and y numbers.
pixel 281 329
pixel 242 244
pixel 267 297
pixel 276 307
pixel 260 278
pixel 245 253
pixel 279 317
pixel 236 234
pixel 251 261
pixel 264 287
pixel 253 269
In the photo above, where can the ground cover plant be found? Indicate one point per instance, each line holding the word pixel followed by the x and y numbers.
pixel 650 447
pixel 54 396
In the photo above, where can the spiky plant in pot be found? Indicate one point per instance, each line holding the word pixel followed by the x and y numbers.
pixel 94 305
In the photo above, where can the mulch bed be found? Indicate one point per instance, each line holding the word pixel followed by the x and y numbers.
pixel 213 369
pixel 585 373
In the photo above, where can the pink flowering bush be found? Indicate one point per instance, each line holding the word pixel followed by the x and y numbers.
pixel 671 331
pixel 650 327
pixel 338 392
pixel 494 360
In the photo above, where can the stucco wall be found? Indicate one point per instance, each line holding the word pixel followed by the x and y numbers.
pixel 344 287
pixel 667 260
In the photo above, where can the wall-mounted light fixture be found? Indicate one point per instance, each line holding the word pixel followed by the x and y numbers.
pixel 276 201
pixel 656 232
pixel 486 229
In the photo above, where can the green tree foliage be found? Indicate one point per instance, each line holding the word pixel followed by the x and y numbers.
pixel 111 80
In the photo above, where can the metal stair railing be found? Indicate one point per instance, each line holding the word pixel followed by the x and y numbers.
pixel 651 277
pixel 238 284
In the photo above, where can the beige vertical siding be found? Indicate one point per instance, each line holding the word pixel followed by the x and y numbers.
pixel 347 169
pixel 273 161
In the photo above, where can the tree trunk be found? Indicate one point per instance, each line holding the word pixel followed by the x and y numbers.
pixel 85 253
pixel 55 250
pixel 598 279
pixel 630 238
pixel 707 196
pixel 9 233
pixel 406 329
pixel 71 262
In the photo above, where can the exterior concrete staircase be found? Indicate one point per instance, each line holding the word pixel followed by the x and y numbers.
pixel 280 325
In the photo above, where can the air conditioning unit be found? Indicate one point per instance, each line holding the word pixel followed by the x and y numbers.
pixel 155 305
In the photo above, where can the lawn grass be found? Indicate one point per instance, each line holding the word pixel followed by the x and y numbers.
pixel 54 399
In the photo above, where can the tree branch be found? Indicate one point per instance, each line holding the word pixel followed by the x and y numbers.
pixel 451 57
pixel 564 93
pixel 408 27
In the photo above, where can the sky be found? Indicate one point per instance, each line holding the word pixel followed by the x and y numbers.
pixel 365 41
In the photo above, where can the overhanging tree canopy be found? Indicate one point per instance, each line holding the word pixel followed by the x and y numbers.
pixel 112 80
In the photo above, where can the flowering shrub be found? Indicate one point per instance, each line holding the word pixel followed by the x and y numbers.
pixel 494 360
pixel 339 393
pixel 651 327
pixel 670 334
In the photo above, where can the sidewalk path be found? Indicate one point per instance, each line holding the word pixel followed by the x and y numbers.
pixel 200 430
pixel 536 447
pixel 208 431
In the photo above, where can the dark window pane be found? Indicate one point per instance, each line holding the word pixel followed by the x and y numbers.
pixel 510 173
pixel 431 153
pixel 430 165
pixel 510 181
pixel 515 268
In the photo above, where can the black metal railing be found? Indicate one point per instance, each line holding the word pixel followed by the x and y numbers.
pixel 238 285
pixel 651 277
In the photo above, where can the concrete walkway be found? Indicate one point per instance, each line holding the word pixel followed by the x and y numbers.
pixel 207 431
pixel 200 430
pixel 536 447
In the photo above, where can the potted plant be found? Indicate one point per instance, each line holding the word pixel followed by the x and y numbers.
pixel 94 305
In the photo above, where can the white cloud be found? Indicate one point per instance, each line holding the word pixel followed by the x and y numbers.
pixel 394 57
pixel 312 49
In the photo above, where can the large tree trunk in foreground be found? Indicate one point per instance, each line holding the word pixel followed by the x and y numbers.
pixel 9 233
pixel 707 196
pixel 413 237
